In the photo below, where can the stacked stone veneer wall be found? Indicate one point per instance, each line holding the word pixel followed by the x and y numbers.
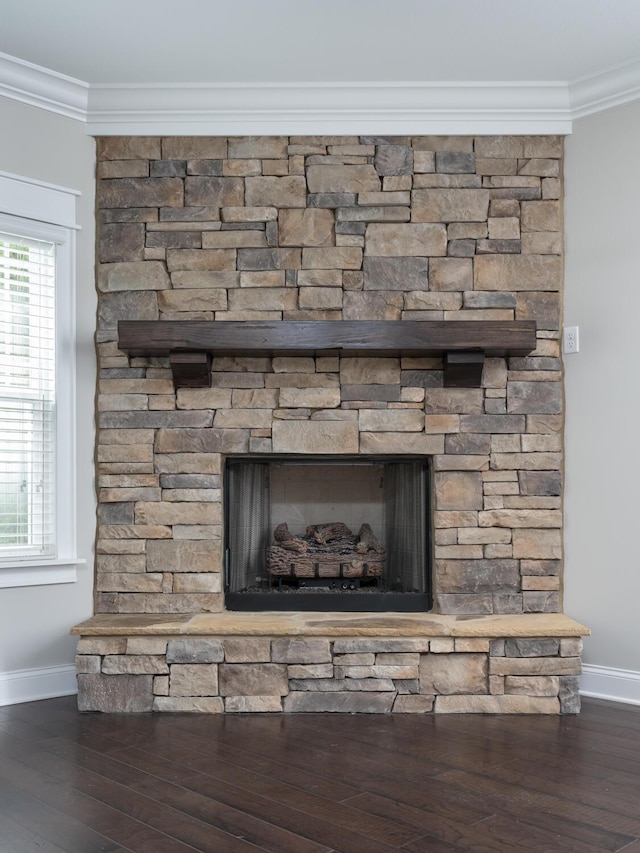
pixel 262 674
pixel 305 228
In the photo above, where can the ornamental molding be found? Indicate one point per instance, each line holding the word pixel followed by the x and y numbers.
pixel 319 108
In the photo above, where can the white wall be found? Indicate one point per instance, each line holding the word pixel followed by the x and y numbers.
pixel 36 651
pixel 602 500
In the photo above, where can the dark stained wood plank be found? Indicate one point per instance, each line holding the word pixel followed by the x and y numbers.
pixel 82 732
pixel 69 835
pixel 433 845
pixel 341 814
pixel 572 832
pixel 186 799
pixel 527 831
pixel 338 838
pixel 344 337
pixel 371 827
pixel 468 840
pixel 477 838
pixel 16 838
pixel 509 796
pixel 615 798
pixel 318 819
pixel 431 821
pixel 318 783
pixel 467 750
pixel 559 734
pixel 586 767
pixel 579 772
pixel 554 833
pixel 80 807
pixel 159 816
pixel 304 746
pixel 62 718
pixel 502 834
pixel 311 742
pixel 404 777
pixel 179 758
pixel 331 757
pixel 383 747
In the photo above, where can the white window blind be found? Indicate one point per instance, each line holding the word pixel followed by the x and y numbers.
pixel 27 397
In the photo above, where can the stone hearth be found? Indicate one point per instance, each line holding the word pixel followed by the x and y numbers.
pixel 330 228
pixel 367 663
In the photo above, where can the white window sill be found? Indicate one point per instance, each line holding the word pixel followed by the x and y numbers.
pixel 39 573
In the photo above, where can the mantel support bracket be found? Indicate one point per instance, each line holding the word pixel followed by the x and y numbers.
pixel 463 369
pixel 191 369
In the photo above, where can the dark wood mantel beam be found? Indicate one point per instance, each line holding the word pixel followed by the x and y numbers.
pixel 345 337
pixel 463 343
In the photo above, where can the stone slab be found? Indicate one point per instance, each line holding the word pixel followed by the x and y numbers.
pixel 247 650
pixel 252 704
pixel 189 704
pixel 253 679
pixel 115 694
pixel 413 704
pixel 517 272
pixel 450 205
pixel 336 178
pixel 201 650
pixel 349 625
pixel 335 685
pixel 454 673
pixel 497 705
pixel 348 702
pixel 300 650
pixel 314 436
pixel 407 239
pixel 198 679
pixel 534 666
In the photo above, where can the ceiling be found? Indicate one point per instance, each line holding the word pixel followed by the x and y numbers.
pixel 127 55
pixel 205 41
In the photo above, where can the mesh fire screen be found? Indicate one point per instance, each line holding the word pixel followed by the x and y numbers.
pixel 339 534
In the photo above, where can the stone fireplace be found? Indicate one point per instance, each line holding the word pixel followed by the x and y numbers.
pixel 357 229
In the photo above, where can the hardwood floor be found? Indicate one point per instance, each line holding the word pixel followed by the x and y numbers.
pixel 92 783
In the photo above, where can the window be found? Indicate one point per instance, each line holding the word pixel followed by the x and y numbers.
pixel 27 397
pixel 37 508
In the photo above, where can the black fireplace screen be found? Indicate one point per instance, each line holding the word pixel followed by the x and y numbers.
pixel 315 533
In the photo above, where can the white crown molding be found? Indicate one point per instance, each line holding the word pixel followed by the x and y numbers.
pixel 610 88
pixel 604 682
pixel 39 87
pixel 317 108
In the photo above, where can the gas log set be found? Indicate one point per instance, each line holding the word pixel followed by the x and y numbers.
pixel 326 555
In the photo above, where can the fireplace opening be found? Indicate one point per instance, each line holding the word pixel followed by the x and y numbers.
pixel 327 533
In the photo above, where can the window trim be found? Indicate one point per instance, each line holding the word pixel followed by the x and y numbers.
pixel 48 212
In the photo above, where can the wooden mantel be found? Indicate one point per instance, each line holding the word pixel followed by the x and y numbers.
pixel 191 344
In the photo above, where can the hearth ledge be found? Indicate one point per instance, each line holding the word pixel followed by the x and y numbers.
pixel 311 624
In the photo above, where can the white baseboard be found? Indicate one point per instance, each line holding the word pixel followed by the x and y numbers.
pixel 29 685
pixel 604 682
